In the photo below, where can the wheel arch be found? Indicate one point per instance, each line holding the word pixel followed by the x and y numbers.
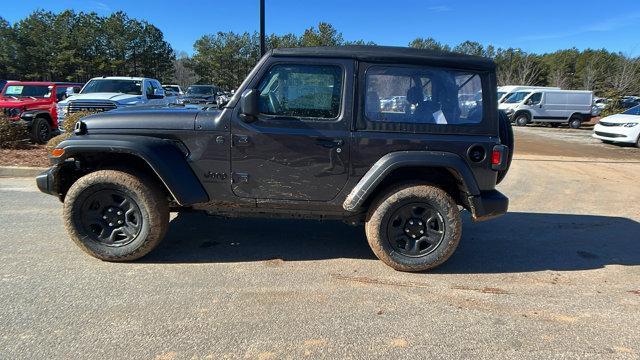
pixel 31 115
pixel 159 159
pixel 578 115
pixel 447 170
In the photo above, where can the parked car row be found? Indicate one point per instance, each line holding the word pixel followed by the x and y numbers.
pixel 620 128
pixel 548 105
pixel 36 105
pixel 43 106
pixel 108 93
pixel 525 105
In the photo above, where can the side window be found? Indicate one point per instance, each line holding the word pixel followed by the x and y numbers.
pixel 148 86
pixel 61 93
pixel 422 96
pixel 306 91
pixel 535 99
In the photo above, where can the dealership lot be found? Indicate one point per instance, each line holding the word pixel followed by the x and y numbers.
pixel 556 277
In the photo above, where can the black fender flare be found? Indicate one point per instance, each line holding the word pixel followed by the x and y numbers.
pixel 163 156
pixel 29 115
pixel 395 160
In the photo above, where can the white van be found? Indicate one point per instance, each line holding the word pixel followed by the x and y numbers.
pixel 572 107
pixel 505 91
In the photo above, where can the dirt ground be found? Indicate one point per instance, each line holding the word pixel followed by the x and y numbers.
pixel 574 143
pixel 33 155
pixel 556 277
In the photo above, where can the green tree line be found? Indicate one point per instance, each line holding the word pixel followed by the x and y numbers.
pixel 71 46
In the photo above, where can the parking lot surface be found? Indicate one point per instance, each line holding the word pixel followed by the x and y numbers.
pixel 557 277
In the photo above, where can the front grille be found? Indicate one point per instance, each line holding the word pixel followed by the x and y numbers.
pixel 604 123
pixel 75 106
pixel 11 112
pixel 196 101
pixel 610 135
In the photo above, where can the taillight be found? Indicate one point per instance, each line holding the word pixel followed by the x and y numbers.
pixel 499 157
pixel 496 157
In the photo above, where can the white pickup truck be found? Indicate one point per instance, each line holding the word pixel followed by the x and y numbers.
pixel 108 93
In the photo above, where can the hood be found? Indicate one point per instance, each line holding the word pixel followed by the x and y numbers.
pixel 6 102
pixel 504 106
pixel 621 118
pixel 117 97
pixel 143 118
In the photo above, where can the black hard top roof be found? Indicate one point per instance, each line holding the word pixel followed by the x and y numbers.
pixel 391 54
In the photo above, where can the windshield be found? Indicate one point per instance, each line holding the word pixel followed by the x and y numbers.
pixel 202 90
pixel 633 111
pixel 37 91
pixel 516 97
pixel 131 87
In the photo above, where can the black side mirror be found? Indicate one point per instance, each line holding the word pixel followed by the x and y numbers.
pixel 249 105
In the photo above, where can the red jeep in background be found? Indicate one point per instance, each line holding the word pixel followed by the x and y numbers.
pixel 34 103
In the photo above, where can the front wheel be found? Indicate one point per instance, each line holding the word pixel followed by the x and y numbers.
pixel 575 122
pixel 522 120
pixel 40 131
pixel 115 216
pixel 414 227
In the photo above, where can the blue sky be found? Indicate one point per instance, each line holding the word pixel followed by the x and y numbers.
pixel 537 26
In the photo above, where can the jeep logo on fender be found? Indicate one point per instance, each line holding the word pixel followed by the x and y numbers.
pixel 215 176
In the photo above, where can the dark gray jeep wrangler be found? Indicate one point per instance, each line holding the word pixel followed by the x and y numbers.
pixel 398 139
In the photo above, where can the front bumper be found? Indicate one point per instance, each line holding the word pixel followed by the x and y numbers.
pixel 488 205
pixel 46 181
pixel 53 180
pixel 616 133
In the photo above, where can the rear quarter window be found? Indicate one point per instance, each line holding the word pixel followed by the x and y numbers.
pixel 421 99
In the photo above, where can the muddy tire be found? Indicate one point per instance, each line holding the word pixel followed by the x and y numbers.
pixel 414 227
pixel 115 216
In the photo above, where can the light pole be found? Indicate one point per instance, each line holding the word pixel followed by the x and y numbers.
pixel 263 47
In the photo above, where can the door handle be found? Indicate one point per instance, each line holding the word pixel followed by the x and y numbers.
pixel 329 143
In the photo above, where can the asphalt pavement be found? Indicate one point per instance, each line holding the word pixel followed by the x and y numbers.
pixel 558 277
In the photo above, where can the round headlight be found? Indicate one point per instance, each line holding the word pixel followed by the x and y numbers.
pixel 14 112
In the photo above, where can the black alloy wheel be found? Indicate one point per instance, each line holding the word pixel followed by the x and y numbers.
pixel 415 229
pixel 111 217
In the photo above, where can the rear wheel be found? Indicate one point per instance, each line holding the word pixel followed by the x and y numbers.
pixel 575 122
pixel 638 142
pixel 40 131
pixel 115 216
pixel 522 119
pixel 414 227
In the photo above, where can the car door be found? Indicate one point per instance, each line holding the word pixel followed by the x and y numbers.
pixel 154 86
pixel 535 104
pixel 298 147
